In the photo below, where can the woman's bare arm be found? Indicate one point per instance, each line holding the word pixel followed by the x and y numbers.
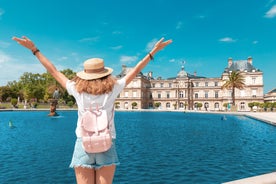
pixel 157 47
pixel 26 42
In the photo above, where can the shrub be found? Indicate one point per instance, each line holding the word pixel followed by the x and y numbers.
pixel 14 102
pixel 70 104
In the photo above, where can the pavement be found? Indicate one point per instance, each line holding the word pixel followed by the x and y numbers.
pixel 268 117
pixel 269 178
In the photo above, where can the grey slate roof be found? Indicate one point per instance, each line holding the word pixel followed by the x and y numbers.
pixel 242 65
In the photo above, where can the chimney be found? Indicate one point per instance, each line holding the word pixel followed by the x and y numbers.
pixel 123 67
pixel 249 60
pixel 230 62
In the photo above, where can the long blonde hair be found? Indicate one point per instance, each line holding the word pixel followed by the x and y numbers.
pixel 96 86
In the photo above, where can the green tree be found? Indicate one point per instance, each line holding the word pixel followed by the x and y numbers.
pixel 157 104
pixel 6 93
pixel 251 105
pixel 117 105
pixel 14 102
pixel 199 105
pixel 134 104
pixel 235 80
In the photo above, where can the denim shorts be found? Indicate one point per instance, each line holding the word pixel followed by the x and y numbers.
pixel 93 160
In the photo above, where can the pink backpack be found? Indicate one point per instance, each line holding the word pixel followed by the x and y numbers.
pixel 96 136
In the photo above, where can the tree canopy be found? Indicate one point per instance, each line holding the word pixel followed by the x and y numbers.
pixel 235 80
pixel 35 87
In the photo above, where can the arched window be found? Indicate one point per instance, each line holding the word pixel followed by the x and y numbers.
pixel 181 105
pixel 126 105
pixel 242 106
pixel 181 94
pixel 168 105
pixel 216 105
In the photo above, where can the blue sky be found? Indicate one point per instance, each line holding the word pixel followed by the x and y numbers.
pixel 205 34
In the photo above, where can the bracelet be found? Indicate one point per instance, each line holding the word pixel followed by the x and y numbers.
pixel 36 51
pixel 151 57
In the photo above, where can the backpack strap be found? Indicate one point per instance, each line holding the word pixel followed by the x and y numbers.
pixel 105 99
pixel 102 107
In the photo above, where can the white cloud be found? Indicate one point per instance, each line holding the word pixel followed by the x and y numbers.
pixel 63 58
pixel 201 17
pixel 117 47
pixel 179 25
pixel 116 32
pixel 172 60
pixel 151 44
pixel 227 40
pixel 90 39
pixel 271 13
pixel 4 57
pixel 128 59
pixel 12 68
pixel 4 44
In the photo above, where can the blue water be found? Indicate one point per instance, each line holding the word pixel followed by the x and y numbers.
pixel 153 147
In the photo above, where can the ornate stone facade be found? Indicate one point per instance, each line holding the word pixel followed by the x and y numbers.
pixel 270 96
pixel 192 92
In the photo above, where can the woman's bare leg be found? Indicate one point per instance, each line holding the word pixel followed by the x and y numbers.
pixel 105 174
pixel 85 175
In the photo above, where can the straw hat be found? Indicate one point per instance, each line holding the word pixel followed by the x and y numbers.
pixel 94 69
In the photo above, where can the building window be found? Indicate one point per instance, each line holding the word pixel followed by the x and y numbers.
pixel 229 93
pixel 170 85
pixel 153 85
pixel 134 94
pixel 150 105
pixel 254 93
pixel 206 94
pixel 181 105
pixel 206 84
pixel 168 94
pixel 181 94
pixel 196 95
pixel 168 105
pixel 242 93
pixel 150 95
pixel 242 106
pixel 197 84
pixel 216 83
pixel 216 94
pixel 206 105
pixel 135 84
pixel 126 93
pixel 126 105
pixel 216 105
pixel 161 85
pixel 253 80
pixel 159 95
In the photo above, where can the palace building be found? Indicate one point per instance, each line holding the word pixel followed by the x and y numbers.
pixel 188 91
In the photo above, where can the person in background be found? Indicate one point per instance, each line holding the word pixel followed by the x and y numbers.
pixel 91 85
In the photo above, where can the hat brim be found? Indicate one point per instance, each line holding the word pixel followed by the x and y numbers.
pixel 91 76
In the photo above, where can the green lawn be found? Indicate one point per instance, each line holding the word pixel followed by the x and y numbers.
pixel 39 106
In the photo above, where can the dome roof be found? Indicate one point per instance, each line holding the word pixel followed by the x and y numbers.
pixel 182 73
